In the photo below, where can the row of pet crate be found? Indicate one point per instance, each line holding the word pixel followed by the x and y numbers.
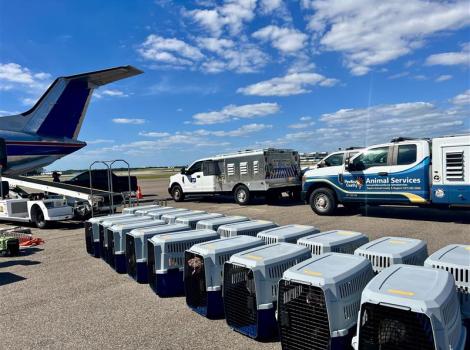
pixel 318 287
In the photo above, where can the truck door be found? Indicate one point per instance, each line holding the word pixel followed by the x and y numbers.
pixel 409 172
pixel 210 176
pixel 192 178
pixel 366 178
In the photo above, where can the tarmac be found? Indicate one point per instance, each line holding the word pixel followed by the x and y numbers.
pixel 58 297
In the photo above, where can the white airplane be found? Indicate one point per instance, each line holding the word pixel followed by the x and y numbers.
pixel 49 130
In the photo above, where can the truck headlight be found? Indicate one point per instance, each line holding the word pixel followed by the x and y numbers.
pixel 439 193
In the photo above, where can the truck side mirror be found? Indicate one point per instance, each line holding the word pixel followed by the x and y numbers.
pixel 183 171
pixel 349 165
pixel 321 164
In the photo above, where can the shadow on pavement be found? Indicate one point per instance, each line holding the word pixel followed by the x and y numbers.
pixel 10 263
pixel 8 277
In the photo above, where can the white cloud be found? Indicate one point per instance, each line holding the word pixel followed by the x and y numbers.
pixel 99 141
pixel 443 77
pixel 371 33
pixel 135 121
pixel 153 134
pixel 28 101
pixel 244 130
pixel 451 58
pixel 462 99
pixel 269 6
pixel 231 112
pixel 110 93
pixel 16 77
pixel 290 84
pixel 305 119
pixel 286 40
pixel 231 15
pixel 169 51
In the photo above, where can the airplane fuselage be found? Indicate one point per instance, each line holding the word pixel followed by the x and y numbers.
pixel 26 152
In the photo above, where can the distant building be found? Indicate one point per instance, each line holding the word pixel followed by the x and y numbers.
pixel 311 158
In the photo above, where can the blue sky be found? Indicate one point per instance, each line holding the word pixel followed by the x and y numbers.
pixel 220 76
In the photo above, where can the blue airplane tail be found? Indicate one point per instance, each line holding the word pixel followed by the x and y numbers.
pixel 59 113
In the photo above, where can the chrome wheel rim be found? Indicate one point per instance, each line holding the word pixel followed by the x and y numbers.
pixel 321 202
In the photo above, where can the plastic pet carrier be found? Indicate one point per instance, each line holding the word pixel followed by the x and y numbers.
pixel 245 228
pixel 192 220
pixel 214 224
pixel 250 287
pixel 158 213
pixel 287 234
pixel 92 232
pixel 455 258
pixel 147 211
pixel 336 241
pixel 170 218
pixel 203 268
pixel 319 301
pixel 117 242
pixel 410 308
pixel 165 259
pixel 133 210
pixel 105 232
pixel 136 248
pixel 387 251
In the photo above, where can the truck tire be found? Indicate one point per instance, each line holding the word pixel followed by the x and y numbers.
pixel 177 193
pixel 241 194
pixel 323 201
pixel 37 217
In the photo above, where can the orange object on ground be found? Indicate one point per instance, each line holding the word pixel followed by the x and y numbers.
pixel 32 242
pixel 139 193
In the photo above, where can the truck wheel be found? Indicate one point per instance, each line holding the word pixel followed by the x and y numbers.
pixel 242 195
pixel 38 218
pixel 177 193
pixel 323 201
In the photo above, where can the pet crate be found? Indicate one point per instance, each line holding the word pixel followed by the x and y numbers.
pixel 133 210
pixel 165 259
pixel 147 211
pixel 136 248
pixel 387 251
pixel 335 241
pixel 410 307
pixel 287 234
pixel 250 287
pixel 245 228
pixel 319 300
pixel 92 232
pixel 108 223
pixel 158 213
pixel 170 218
pixel 117 241
pixel 455 258
pixel 203 270
pixel 192 220
pixel 214 224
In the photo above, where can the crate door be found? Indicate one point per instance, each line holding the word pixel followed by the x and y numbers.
pixel 456 165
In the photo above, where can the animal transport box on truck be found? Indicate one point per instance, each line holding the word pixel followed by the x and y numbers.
pixel 405 171
pixel 266 172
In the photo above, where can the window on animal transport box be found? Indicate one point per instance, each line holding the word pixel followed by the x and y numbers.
pixel 212 168
pixel 195 280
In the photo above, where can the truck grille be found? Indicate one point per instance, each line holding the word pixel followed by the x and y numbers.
pixel 195 281
pixel 130 256
pixel 89 237
pixel 387 328
pixel 152 276
pixel 303 317
pixel 110 255
pixel 240 298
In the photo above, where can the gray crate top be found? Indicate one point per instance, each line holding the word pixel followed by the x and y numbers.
pixel 288 231
pixel 268 254
pixel 183 236
pixel 126 220
pixel 408 285
pixel 141 207
pixel 392 246
pixel 158 230
pixel 168 211
pixel 159 210
pixel 99 219
pixel 247 225
pixel 185 212
pixel 225 220
pixel 327 268
pixel 198 217
pixel 226 244
pixel 333 237
pixel 453 254
pixel 138 224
